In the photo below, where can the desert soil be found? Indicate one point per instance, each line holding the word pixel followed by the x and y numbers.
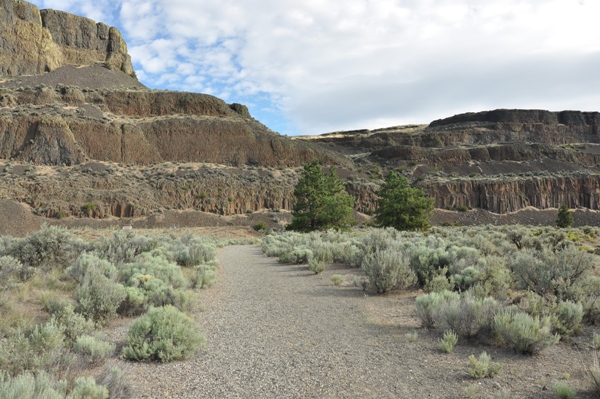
pixel 279 331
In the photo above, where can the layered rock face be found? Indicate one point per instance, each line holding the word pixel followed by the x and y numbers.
pixel 510 194
pixel 69 125
pixel 34 41
pixel 501 160
pixel 101 189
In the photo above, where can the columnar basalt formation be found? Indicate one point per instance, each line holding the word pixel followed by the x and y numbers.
pixel 510 194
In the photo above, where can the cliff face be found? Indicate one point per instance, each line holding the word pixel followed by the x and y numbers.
pixel 69 125
pixel 100 189
pixel 506 194
pixel 34 41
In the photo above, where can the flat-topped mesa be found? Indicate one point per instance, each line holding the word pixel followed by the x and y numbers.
pixel 514 125
pixel 34 42
pixel 529 116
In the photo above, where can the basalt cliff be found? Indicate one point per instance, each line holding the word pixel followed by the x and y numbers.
pixel 501 160
pixel 81 137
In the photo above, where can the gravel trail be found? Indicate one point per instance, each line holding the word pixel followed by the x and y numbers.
pixel 279 331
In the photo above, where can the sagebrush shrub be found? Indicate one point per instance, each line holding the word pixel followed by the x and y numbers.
pixel 527 334
pixel 191 251
pixel 562 390
pixel 163 334
pixel 296 255
pixel 155 265
pixel 467 315
pixel 205 276
pixel 439 283
pixel 10 272
pixel 426 261
pixel 115 380
pixel 546 272
pixel 27 385
pixel 483 367
pixel 448 342
pixel 337 279
pixel 317 266
pixel 123 246
pixel 351 255
pixel 74 324
pixel 38 350
pixel 47 248
pixel 99 297
pixel 93 348
pixel 569 317
pixel 427 306
pixel 86 388
pixel 388 270
pixel 91 263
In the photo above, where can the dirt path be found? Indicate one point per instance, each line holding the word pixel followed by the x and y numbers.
pixel 279 331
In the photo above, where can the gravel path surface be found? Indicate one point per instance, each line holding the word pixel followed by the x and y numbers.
pixel 279 331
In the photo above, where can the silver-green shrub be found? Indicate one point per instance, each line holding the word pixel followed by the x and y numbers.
pixel 483 367
pixel 74 324
pixel 569 317
pixel 152 280
pixel 467 316
pixel 388 269
pixel 123 246
pixel 205 275
pixel 188 250
pixel 47 248
pixel 296 255
pixel 316 266
pixel 427 306
pixel 527 334
pixel 350 254
pixel 93 348
pixel 153 264
pixel 448 342
pixel 163 334
pixel 557 273
pixel 91 263
pixel 439 283
pixel 38 350
pixel 115 380
pixel 86 388
pixel 30 386
pixel 10 272
pixel 562 390
pixel 99 297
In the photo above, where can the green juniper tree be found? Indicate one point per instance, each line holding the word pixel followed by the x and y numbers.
pixel 402 206
pixel 321 201
pixel 565 217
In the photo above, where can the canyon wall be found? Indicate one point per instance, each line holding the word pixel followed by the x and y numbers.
pixel 34 41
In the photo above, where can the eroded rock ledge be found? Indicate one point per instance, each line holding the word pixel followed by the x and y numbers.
pixel 34 41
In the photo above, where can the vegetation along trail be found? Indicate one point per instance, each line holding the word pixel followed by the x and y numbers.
pixel 279 331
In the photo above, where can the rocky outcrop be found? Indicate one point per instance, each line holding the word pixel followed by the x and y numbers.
pixel 69 125
pixel 442 157
pixel 509 126
pixel 34 41
pixel 510 194
pixel 99 190
pixel 522 116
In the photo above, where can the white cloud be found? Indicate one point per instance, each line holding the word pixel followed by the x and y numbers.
pixel 330 65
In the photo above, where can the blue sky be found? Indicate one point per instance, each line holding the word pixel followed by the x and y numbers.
pixel 316 66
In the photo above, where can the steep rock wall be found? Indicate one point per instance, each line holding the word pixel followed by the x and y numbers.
pixel 504 195
pixel 98 190
pixel 34 41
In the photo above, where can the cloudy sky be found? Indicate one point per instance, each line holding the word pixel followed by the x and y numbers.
pixel 315 66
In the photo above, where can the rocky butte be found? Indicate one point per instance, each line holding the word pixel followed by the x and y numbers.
pixel 81 136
